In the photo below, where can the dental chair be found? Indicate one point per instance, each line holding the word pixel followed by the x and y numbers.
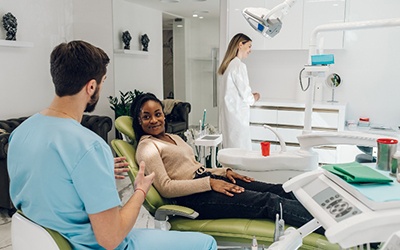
pixel 26 234
pixel 227 232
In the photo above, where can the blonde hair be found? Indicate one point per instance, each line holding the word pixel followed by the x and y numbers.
pixel 232 50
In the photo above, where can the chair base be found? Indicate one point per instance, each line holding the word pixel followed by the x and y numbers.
pixel 238 232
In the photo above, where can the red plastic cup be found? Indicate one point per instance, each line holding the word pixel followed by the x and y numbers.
pixel 265 148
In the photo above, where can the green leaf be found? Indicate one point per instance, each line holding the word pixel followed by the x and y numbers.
pixel 122 104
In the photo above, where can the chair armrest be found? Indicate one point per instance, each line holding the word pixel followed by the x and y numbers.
pixel 101 125
pixel 165 210
pixel 182 109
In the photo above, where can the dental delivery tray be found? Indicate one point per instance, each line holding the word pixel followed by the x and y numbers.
pixel 352 214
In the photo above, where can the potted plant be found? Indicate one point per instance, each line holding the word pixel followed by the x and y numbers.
pixel 122 105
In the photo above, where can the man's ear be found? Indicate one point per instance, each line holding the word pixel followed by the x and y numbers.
pixel 91 87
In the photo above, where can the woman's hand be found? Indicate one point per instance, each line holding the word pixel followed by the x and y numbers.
pixel 225 187
pixel 120 167
pixel 141 181
pixel 256 96
pixel 231 175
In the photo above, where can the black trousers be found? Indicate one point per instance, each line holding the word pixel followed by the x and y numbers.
pixel 259 200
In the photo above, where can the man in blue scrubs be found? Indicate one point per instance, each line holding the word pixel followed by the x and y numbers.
pixel 62 174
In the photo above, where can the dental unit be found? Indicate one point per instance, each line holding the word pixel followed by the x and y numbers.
pixel 367 216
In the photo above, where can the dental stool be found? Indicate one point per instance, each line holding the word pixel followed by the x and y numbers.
pixel 25 234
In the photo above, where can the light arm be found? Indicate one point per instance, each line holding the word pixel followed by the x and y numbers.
pixel 265 21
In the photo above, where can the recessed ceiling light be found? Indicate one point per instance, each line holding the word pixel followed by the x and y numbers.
pixel 201 12
pixel 195 15
pixel 179 25
pixel 200 17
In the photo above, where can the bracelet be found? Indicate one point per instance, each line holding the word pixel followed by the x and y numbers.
pixel 142 191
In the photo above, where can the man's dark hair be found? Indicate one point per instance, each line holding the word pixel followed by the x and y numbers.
pixel 74 64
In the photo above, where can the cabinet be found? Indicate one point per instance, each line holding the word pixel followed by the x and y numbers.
pixel 288 120
pixel 297 25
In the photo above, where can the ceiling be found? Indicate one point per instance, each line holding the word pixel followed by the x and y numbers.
pixel 182 8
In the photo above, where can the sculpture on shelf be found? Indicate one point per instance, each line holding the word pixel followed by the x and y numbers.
pixel 126 39
pixel 145 42
pixel 10 25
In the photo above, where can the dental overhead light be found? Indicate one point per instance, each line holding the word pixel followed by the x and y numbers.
pixel 265 21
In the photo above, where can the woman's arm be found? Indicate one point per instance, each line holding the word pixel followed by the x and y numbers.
pixel 148 152
pixel 241 81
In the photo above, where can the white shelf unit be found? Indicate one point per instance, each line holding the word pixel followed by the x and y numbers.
pixel 18 44
pixel 287 118
pixel 131 52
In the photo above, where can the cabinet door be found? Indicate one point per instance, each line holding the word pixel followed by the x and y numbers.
pixel 326 155
pixel 325 120
pixel 289 135
pixel 238 24
pixel 291 117
pixel 263 115
pixel 317 12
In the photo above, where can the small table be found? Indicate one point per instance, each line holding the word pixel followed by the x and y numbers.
pixel 208 141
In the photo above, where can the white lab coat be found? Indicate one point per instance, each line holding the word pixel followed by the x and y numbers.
pixel 235 98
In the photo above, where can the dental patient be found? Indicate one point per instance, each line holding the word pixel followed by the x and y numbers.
pixel 214 193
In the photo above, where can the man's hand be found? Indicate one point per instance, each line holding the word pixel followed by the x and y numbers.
pixel 120 167
pixel 231 175
pixel 141 181
pixel 225 187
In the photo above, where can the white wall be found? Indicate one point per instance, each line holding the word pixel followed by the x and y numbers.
pixel 142 72
pixel 369 66
pixel 25 80
pixel 25 83
pixel 95 26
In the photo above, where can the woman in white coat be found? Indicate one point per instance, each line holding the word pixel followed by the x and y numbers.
pixel 235 95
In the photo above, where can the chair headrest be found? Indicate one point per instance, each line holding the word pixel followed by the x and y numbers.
pixel 124 125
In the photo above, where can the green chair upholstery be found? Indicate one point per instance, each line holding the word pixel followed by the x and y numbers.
pixel 232 231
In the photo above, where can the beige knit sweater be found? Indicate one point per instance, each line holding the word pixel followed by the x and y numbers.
pixel 174 166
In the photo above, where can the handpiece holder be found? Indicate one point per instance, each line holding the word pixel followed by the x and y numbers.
pixel 281 141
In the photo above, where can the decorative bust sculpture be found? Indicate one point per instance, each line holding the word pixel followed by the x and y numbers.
pixel 126 39
pixel 10 25
pixel 145 42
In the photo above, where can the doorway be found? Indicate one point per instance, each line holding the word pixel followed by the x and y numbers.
pixel 168 56
pixel 190 61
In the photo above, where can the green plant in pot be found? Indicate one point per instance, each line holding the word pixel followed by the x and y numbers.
pixel 122 105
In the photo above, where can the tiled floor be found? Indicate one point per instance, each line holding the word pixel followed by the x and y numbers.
pixel 145 220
